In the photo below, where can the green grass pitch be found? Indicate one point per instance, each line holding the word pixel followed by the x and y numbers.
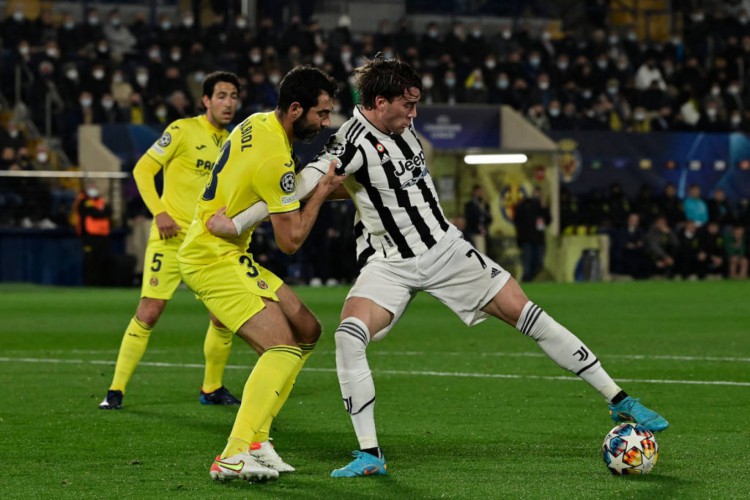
pixel 462 412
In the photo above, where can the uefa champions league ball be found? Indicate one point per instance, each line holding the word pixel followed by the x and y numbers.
pixel 630 449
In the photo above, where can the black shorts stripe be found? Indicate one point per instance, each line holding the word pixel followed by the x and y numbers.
pixel 532 315
pixel 596 361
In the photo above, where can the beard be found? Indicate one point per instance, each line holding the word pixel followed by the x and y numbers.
pixel 303 130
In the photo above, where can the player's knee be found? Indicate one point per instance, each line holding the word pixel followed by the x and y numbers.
pixel 352 333
pixel 149 310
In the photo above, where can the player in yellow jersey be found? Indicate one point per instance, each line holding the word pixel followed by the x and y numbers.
pixel 256 165
pixel 185 154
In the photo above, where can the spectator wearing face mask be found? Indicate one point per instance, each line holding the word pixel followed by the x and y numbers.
pixel 69 36
pixel 431 45
pixel 448 90
pixel 501 91
pixel 16 27
pixel 165 33
pixel 118 36
pixel 97 81
pixel 91 29
pixel 711 119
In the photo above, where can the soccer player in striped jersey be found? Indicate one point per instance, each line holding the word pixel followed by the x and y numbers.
pixel 406 245
pixel 185 154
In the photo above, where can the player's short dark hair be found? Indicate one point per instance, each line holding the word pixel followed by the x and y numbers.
pixel 388 78
pixel 219 76
pixel 304 84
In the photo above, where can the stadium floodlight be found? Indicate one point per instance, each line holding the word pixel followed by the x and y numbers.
pixel 496 159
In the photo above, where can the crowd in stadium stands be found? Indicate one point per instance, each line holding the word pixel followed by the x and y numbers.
pixel 105 68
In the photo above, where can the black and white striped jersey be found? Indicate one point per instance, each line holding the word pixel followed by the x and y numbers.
pixel 398 212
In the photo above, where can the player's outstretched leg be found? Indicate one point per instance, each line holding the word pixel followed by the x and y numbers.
pixel 570 353
pixel 242 466
pixel 364 464
pixel 631 410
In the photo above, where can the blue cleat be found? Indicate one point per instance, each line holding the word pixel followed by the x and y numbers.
pixel 363 464
pixel 220 396
pixel 630 410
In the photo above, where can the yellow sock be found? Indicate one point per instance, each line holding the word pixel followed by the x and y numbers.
pixel 262 391
pixel 133 345
pixel 265 431
pixel 216 348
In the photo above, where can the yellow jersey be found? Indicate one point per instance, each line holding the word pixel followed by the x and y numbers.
pixel 185 152
pixel 255 164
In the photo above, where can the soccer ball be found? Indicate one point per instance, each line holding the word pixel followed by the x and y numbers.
pixel 630 449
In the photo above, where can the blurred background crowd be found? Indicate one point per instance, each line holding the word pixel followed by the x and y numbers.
pixel 100 65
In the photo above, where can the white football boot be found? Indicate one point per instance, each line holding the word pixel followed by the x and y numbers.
pixel 266 455
pixel 242 466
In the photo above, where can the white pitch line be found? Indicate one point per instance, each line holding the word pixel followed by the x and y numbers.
pixel 377 352
pixel 391 372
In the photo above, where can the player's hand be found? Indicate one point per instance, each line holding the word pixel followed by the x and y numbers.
pixel 331 181
pixel 167 226
pixel 221 225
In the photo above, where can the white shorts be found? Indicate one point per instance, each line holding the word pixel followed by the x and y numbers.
pixel 453 271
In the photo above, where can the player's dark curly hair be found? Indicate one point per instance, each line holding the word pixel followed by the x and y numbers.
pixel 304 84
pixel 388 78
pixel 219 76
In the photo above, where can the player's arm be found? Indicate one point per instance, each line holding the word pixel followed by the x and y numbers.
pixel 292 228
pixel 221 225
pixel 144 174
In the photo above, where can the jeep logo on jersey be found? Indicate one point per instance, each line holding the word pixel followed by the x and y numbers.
pixel 164 140
pixel 409 165
pixel 287 182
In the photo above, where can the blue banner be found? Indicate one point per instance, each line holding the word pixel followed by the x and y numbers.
pixel 459 127
pixel 592 160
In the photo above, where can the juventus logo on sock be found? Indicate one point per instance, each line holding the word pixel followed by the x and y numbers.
pixel 582 353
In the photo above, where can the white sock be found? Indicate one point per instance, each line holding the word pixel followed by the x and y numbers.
pixel 355 379
pixel 565 349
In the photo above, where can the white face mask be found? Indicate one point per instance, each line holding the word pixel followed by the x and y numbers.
pixel 711 113
pixel 42 157
pixel 93 20
pixel 188 22
pixel 241 24
pixel 639 116
pixel 534 61
pixel 562 65
pixel 427 83
pixel 23 50
pixel 490 63
pixel 255 58
pixel 117 78
pixel 503 83
pixel 53 53
pixel 736 120
pixel 175 56
pixel 71 74
pixel 92 192
pixel 86 102
pixel 69 25
pixel 450 82
pixel 18 15
pixel 274 79
pixel 318 60
pixel 166 25
pixel 98 74
pixel 107 103
pixel 544 85
pixel 161 112
pixel 715 91
pixel 199 77
pixel 142 79
pixel 554 111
